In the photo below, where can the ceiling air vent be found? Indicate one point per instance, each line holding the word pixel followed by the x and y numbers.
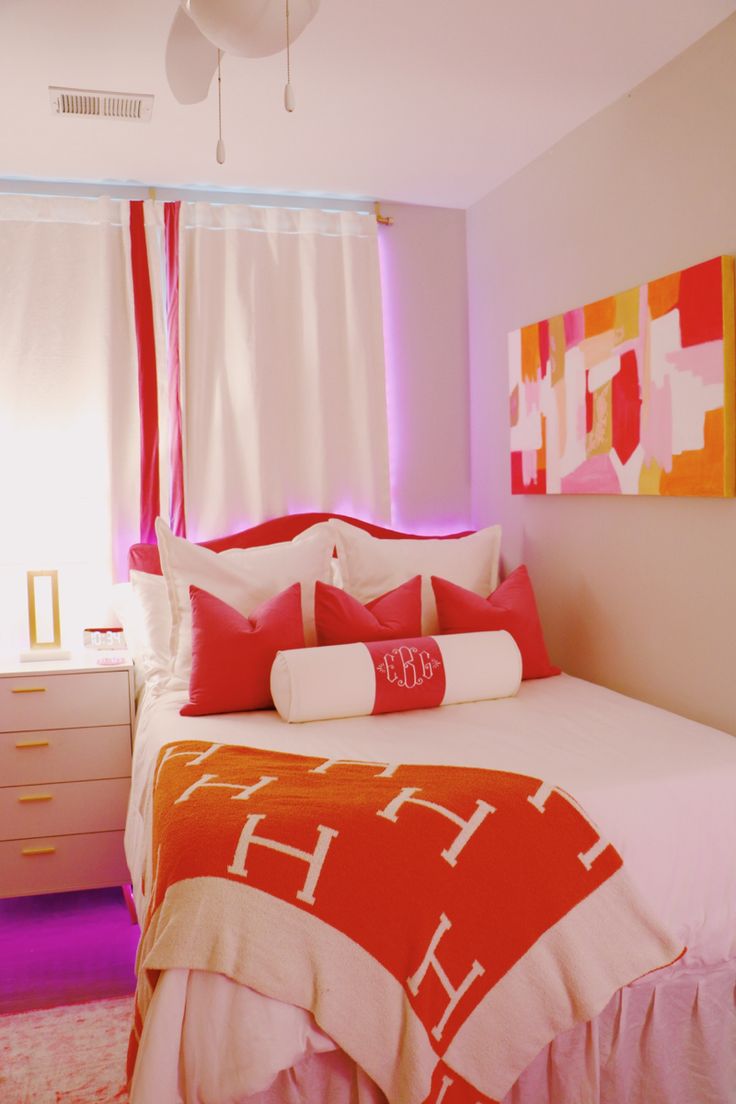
pixel 101 105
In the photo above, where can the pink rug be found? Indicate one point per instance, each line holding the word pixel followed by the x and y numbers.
pixel 74 1054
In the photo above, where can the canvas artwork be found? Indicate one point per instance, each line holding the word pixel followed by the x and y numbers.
pixel 633 394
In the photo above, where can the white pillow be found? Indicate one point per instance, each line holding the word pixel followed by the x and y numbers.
pixel 352 680
pixel 370 566
pixel 152 598
pixel 318 529
pixel 242 577
pixel 142 605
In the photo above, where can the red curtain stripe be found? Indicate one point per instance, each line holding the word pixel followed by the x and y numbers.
pixel 150 499
pixel 171 237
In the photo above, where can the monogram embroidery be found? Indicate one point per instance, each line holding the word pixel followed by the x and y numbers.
pixel 408 666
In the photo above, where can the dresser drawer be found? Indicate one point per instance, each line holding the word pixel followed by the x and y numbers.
pixel 57 864
pixel 63 700
pixel 63 808
pixel 64 755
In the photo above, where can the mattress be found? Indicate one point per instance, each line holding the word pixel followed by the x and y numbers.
pixel 658 786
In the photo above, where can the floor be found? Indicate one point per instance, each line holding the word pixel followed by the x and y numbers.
pixel 65 948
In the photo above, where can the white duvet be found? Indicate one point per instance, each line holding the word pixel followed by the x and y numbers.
pixel 661 788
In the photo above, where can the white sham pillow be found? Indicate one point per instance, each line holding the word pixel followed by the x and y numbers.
pixel 152 599
pixel 370 566
pixel 142 606
pixel 242 577
pixel 318 529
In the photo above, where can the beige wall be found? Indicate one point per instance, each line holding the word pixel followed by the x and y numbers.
pixel 424 278
pixel 636 593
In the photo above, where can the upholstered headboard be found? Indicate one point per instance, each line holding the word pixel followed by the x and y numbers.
pixel 145 557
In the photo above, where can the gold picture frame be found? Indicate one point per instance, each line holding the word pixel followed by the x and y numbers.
pixel 44 622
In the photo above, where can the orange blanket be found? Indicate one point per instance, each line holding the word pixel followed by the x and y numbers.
pixel 441 923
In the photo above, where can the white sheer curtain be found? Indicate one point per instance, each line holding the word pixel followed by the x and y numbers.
pixel 282 368
pixel 283 386
pixel 69 438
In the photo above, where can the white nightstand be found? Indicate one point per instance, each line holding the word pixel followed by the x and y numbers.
pixel 65 746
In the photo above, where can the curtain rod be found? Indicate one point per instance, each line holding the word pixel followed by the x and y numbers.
pixel 382 220
pixel 121 190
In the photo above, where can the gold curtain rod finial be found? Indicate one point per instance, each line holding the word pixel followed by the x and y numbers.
pixel 382 220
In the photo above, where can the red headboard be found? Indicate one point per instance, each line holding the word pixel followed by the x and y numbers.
pixel 144 557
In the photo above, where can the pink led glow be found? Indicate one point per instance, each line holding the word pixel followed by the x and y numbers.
pixel 398 404
pixel 238 523
pixel 390 343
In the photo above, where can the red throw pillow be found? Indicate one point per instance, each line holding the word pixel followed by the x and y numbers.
pixel 232 655
pixel 341 619
pixel 511 606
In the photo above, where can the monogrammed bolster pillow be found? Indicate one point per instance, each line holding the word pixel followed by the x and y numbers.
pixel 387 676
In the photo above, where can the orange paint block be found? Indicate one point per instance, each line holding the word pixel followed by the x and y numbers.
pixel 530 359
pixel 600 316
pixel 663 294
pixel 699 471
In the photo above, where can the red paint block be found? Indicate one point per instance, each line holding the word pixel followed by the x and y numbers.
pixel 701 303
pixel 626 402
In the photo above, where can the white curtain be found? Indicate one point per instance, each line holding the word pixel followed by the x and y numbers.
pixel 283 386
pixel 69 436
pixel 282 380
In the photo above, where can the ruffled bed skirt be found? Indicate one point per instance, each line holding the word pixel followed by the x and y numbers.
pixel 667 1039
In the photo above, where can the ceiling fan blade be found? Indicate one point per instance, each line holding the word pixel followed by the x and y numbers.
pixel 191 60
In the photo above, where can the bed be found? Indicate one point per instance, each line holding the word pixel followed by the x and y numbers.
pixel 661 788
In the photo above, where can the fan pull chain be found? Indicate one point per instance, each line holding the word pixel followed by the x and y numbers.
pixel 220 152
pixel 288 90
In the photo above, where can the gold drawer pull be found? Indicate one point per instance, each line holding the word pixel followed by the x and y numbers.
pixel 36 797
pixel 28 690
pixel 38 851
pixel 32 743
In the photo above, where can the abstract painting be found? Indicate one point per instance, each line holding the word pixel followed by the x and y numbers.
pixel 632 394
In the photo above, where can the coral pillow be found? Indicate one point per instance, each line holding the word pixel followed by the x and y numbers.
pixel 511 606
pixel 232 654
pixel 342 619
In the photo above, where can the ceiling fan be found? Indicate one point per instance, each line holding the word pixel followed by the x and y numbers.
pixel 202 30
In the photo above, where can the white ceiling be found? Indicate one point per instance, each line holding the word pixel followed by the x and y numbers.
pixel 420 101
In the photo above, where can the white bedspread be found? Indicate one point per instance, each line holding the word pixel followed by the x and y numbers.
pixel 660 787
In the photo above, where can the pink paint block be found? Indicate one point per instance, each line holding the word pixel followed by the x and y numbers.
pixel 595 476
pixel 574 327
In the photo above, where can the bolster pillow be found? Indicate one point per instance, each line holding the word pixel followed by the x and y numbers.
pixel 353 680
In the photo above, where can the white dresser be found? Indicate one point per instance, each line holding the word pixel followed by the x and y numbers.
pixel 65 746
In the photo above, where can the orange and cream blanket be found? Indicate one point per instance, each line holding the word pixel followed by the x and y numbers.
pixel 442 924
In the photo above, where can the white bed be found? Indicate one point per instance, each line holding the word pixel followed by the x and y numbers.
pixel 661 788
